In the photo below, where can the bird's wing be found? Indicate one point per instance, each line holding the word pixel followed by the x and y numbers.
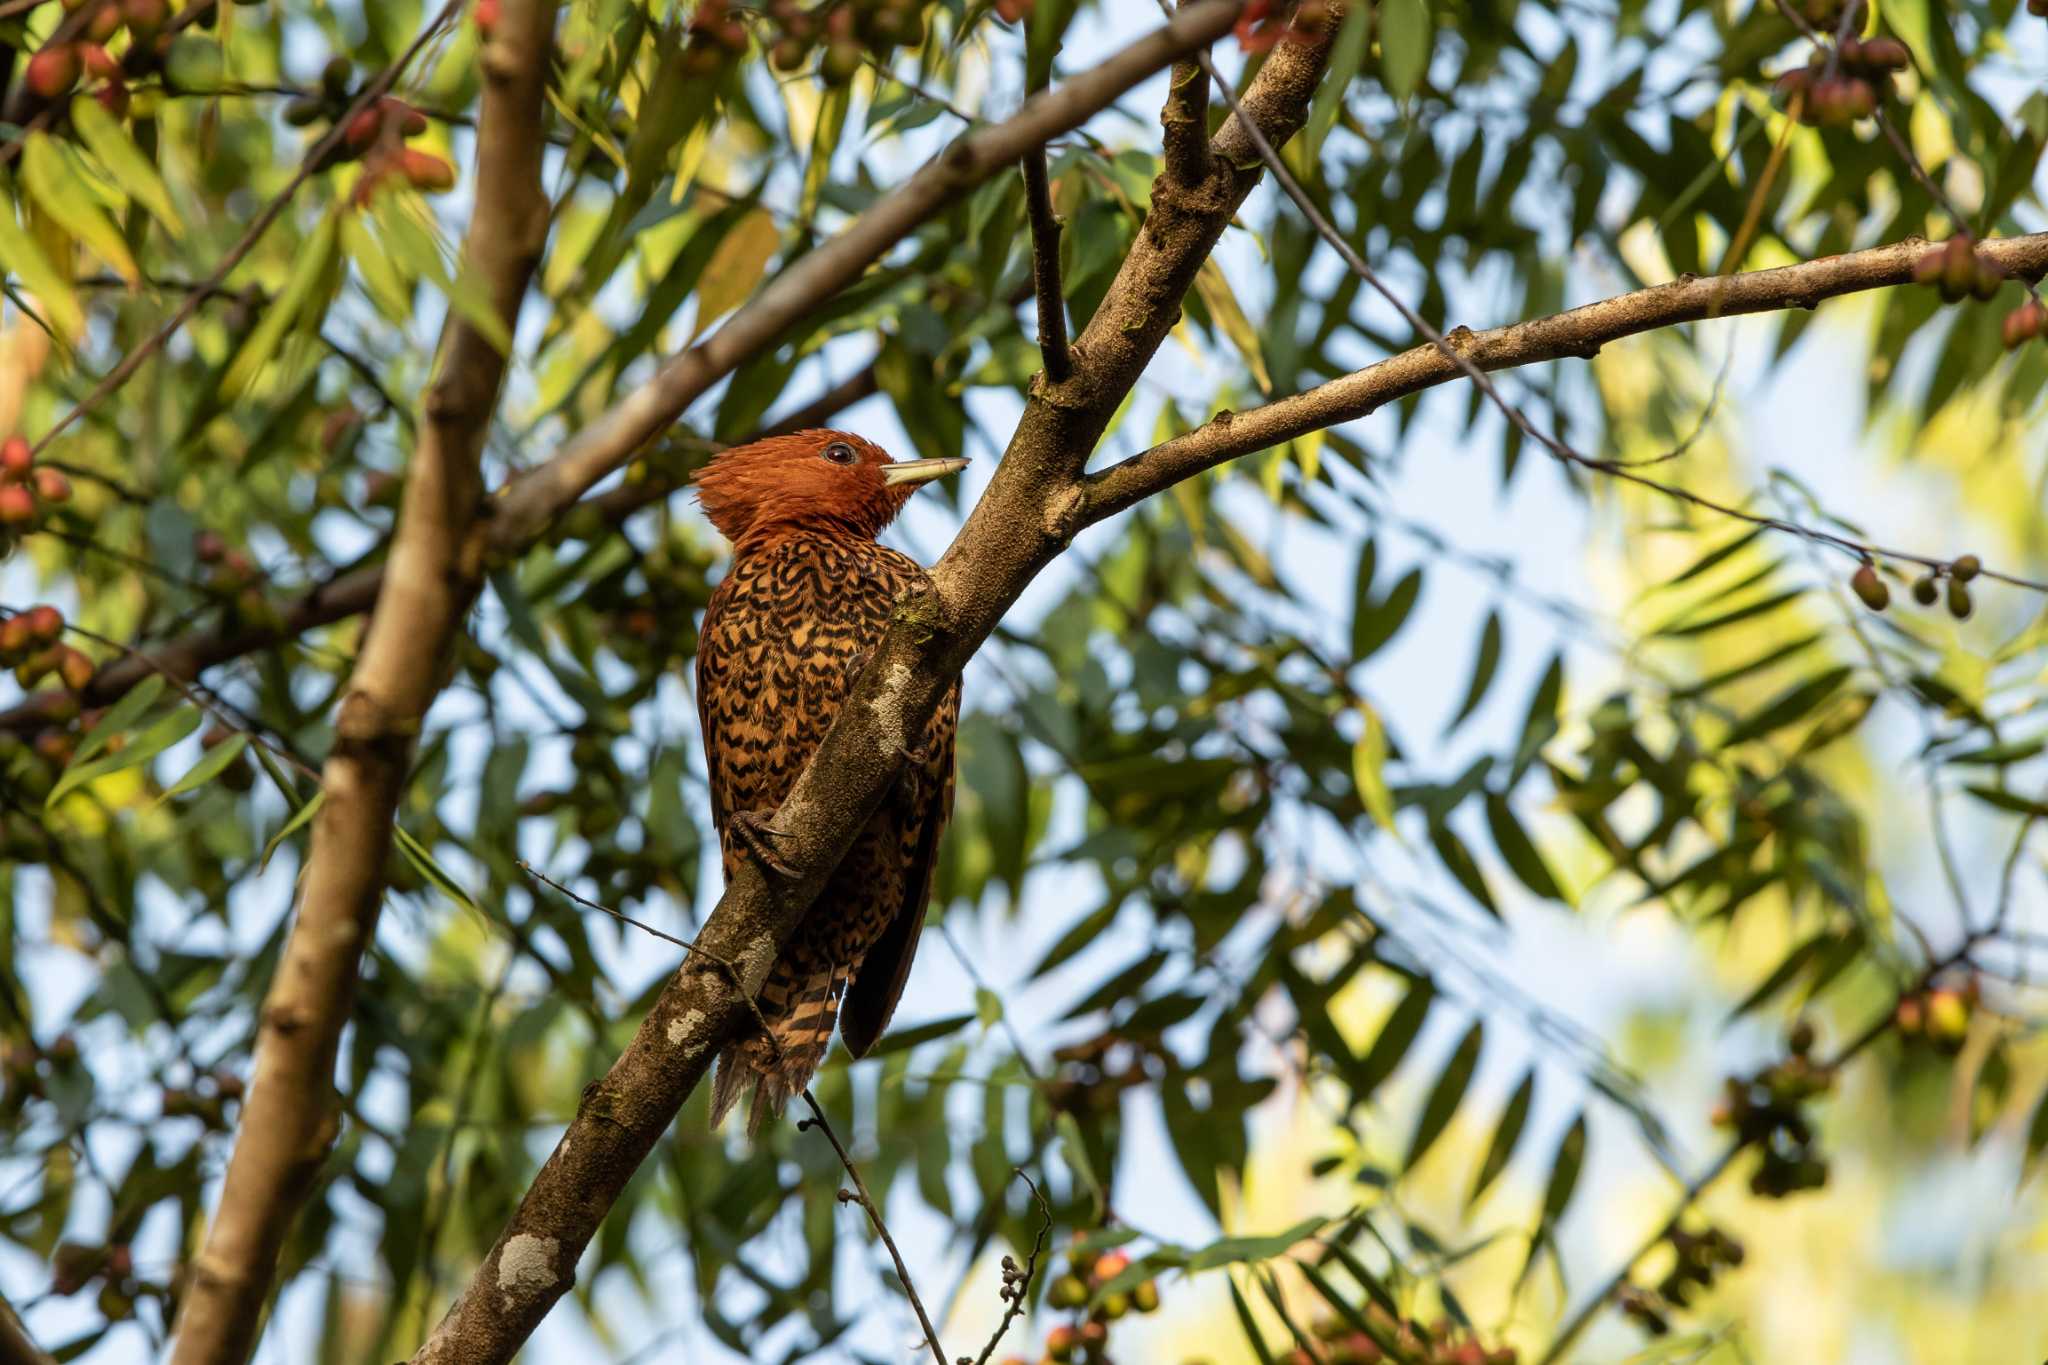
pixel 872 997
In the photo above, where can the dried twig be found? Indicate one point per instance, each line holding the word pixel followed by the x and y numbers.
pixel 859 1195
pixel 1016 1286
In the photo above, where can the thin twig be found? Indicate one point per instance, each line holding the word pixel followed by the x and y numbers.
pixel 1045 269
pixel 859 1195
pixel 1557 447
pixel 1015 1290
pixel 315 159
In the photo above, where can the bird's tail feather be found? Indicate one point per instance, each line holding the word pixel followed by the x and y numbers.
pixel 800 1014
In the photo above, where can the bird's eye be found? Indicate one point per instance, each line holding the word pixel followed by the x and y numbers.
pixel 839 452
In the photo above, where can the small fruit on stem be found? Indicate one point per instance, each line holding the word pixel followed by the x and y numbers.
pixel 1870 588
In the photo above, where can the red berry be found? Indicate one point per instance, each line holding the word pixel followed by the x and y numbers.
pixel 426 171
pixel 113 97
pixel 52 486
pixel 17 505
pixel 45 623
pixel 16 458
pixel 99 63
pixel 145 17
pixel 363 129
pixel 53 71
pixel 75 669
pixel 486 16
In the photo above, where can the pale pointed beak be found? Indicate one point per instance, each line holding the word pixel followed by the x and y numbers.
pixel 920 471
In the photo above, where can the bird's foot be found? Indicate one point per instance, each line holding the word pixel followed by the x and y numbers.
pixel 755 831
pixel 918 757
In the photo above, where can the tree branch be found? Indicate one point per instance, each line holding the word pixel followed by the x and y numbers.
pixel 605 444
pixel 1184 124
pixel 16 1346
pixel 861 1197
pixel 1579 332
pixel 1020 524
pixel 290 1118
pixel 1045 269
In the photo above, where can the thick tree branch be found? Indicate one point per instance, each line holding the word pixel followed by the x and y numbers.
pixel 1579 332
pixel 604 445
pixel 290 1118
pixel 1184 124
pixel 1020 524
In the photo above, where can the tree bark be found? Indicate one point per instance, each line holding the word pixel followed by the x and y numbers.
pixel 291 1117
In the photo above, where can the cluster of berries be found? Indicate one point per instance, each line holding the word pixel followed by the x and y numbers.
pixel 374 135
pixel 1700 1259
pixel 1087 1270
pixel 847 30
pixel 231 574
pixel 1839 86
pixel 56 70
pixel 26 491
pixel 1939 1015
pixel 29 642
pixel 1958 271
pixel 1438 1343
pixel 1765 1112
pixel 1871 590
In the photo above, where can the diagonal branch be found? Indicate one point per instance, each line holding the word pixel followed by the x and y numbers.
pixel 1021 523
pixel 607 443
pixel 291 1118
pixel 16 1346
pixel 1579 332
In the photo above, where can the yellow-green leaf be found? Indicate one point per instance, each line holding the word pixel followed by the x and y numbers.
pixel 308 271
pixel 1368 768
pixel 825 141
pixel 55 184
pixel 736 267
pixel 134 172
pixel 21 256
pixel 1222 305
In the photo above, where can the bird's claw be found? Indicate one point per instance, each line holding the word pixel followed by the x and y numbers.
pixel 755 831
pixel 917 758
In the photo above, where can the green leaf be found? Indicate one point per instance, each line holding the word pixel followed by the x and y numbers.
pixel 1406 35
pixel 824 142
pixel 1540 722
pixel 1237 1250
pixel 2009 801
pixel 54 182
pixel 1685 630
pixel 424 863
pixel 120 717
pixel 1346 57
pixel 1483 668
pixel 310 268
pixel 1506 1134
pixel 1447 1095
pixel 21 255
pixel 211 764
pixel 136 174
pixel 1368 768
pixel 1713 557
pixel 1792 704
pixel 1252 1335
pixel 1782 975
pixel 1564 1170
pixel 1074 1151
pixel 1395 1036
pixel 144 747
pixel 1373 624
pixel 300 817
pixel 1345 1309
pixel 905 1039
pixel 2037 1137
pixel 1517 850
pixel 1458 859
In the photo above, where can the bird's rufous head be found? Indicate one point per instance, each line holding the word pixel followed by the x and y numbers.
pixel 827 480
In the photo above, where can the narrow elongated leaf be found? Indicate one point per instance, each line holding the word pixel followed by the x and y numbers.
pixel 1406 35
pixel 141 749
pixel 120 718
pixel 1564 1171
pixel 1345 1309
pixel 1447 1095
pixel 1347 55
pixel 1483 667
pixel 1517 850
pixel 314 258
pixel 1214 289
pixel 1506 1134
pixel 1372 625
pixel 1459 861
pixel 1253 1337
pixel 1540 722
pixel 2037 1137
pixel 1781 976
pixel 2008 801
pixel 736 267
pixel 903 1040
pixel 1237 1250
pixel 429 867
pixel 22 256
pixel 211 764
pixel 1074 1151
pixel 1713 557
pixel 1368 769
pixel 1793 704
pixel 299 818
pixel 50 178
pixel 1692 629
pixel 1395 1035
pixel 108 141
